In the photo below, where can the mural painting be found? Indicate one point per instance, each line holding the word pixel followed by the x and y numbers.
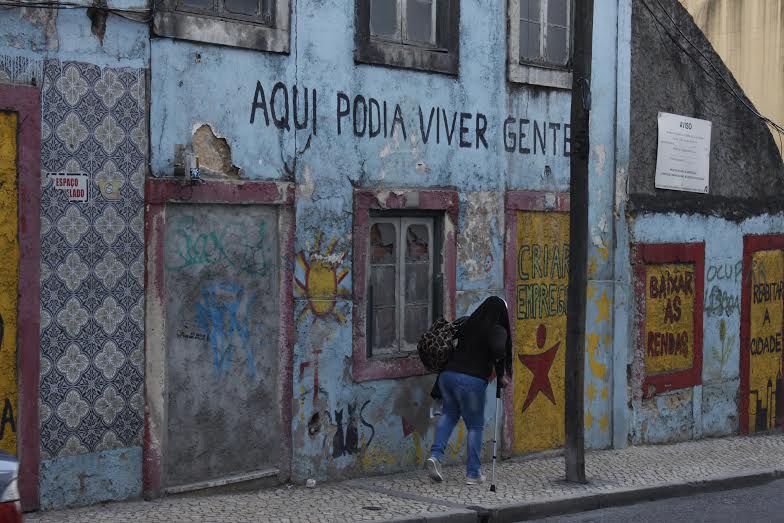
pixel 669 285
pixel 346 440
pixel 318 279
pixel 669 318
pixel 763 354
pixel 540 329
pixel 221 323
pixel 9 261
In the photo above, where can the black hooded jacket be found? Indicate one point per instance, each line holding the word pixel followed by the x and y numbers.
pixel 485 342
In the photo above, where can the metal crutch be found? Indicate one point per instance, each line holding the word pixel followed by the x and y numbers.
pixel 495 431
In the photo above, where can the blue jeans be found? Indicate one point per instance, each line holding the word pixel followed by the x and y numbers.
pixel 464 396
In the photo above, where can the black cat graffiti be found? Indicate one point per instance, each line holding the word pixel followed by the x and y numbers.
pixel 338 442
pixel 347 442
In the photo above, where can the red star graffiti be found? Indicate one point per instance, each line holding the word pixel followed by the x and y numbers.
pixel 539 365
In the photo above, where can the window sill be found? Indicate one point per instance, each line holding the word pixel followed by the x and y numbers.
pixel 541 76
pixel 233 33
pixel 381 368
pixel 382 52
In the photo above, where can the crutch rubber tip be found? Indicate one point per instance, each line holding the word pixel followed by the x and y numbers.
pixel 492 488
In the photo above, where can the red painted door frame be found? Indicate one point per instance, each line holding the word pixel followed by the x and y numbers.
pixel 520 201
pixel 158 193
pixel 26 102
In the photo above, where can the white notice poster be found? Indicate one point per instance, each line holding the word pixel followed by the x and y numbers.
pixel 683 154
pixel 74 184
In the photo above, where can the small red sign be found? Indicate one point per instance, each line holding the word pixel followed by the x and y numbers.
pixel 74 184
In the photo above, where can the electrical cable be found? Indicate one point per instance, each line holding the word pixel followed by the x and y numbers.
pixel 705 105
pixel 121 12
pixel 718 73
pixel 727 86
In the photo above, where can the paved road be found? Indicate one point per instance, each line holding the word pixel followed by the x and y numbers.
pixel 763 503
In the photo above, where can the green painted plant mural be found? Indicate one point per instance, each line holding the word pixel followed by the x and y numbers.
pixel 722 354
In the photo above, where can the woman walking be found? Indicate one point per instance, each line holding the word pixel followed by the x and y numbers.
pixel 485 345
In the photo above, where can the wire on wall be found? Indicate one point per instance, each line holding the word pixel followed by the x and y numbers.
pixel 716 73
pixel 135 15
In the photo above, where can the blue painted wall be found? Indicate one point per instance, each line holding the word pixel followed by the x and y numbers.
pixel 193 76
pixel 710 409
pixel 192 84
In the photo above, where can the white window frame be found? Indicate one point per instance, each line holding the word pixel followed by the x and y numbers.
pixel 401 224
pixel 536 73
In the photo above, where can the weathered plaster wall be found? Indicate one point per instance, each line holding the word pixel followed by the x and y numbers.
pixel 748 37
pixel 228 106
pixel 87 478
pixel 746 189
pixel 746 170
pixel 94 120
pixel 330 156
pixel 710 409
pixel 221 330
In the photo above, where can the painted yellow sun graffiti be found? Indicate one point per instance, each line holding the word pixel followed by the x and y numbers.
pixel 317 279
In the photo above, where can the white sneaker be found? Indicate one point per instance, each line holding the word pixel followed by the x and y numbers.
pixel 476 481
pixel 434 469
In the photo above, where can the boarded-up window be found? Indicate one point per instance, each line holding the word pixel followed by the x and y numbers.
pixel 402 282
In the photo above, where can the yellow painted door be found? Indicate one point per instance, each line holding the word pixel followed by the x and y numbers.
pixel 765 340
pixel 540 329
pixel 9 275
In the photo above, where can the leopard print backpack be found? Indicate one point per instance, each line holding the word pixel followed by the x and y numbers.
pixel 437 344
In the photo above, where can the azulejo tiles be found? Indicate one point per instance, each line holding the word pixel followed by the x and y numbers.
pixel 92 287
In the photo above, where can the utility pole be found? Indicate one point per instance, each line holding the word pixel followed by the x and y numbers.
pixel 578 241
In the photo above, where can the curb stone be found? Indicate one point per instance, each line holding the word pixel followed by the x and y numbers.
pixel 534 510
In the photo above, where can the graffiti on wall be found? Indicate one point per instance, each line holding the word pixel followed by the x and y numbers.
pixel 9 261
pixel 540 329
pixel 669 317
pixel 726 344
pixel 346 441
pixel 670 289
pixel 318 278
pixel 225 246
pixel 765 341
pixel 376 118
pixel 224 313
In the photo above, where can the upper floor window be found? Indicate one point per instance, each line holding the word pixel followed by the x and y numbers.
pixel 415 34
pixel 253 24
pixel 404 21
pixel 540 39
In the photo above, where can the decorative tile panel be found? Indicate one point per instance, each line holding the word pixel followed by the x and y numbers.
pixel 92 287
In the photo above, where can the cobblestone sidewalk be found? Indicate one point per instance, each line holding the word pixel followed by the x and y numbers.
pixel 521 484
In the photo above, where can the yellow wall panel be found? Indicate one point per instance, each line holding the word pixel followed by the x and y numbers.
pixel 765 339
pixel 9 276
pixel 669 317
pixel 540 329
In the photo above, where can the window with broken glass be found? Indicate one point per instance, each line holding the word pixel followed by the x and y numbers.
pixel 403 282
pixel 416 34
pixel 254 24
pixel 540 39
